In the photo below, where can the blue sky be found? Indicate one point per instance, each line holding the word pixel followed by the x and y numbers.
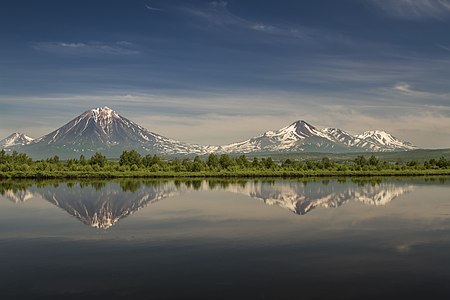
pixel 213 72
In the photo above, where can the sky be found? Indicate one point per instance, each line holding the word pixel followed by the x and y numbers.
pixel 216 72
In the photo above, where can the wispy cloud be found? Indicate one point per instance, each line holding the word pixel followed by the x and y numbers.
pixel 217 13
pixel 149 7
pixel 414 9
pixel 407 89
pixel 87 49
pixel 404 88
pixel 443 47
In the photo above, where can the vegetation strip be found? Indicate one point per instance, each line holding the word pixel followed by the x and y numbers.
pixel 133 165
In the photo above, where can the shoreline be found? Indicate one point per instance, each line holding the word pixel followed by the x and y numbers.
pixel 230 174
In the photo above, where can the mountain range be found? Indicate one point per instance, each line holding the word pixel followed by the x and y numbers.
pixel 102 129
pixel 303 137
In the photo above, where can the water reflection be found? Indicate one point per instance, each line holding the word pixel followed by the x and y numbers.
pixel 219 239
pixel 301 199
pixel 101 204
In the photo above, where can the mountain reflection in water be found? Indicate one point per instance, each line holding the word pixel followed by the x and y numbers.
pixel 102 204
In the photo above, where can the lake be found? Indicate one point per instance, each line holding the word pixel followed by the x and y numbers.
pixel 226 239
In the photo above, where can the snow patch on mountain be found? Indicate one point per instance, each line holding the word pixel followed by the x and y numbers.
pixel 379 140
pixel 286 138
pixel 302 136
pixel 15 139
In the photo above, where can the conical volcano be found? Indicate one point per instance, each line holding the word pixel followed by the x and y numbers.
pixel 102 129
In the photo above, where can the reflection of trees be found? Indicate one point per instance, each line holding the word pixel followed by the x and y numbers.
pixel 196 184
pixel 130 185
pixel 441 180
pixel 97 185
pixel 14 186
pixel 212 184
pixel 362 181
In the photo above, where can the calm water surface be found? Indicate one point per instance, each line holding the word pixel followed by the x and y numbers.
pixel 211 239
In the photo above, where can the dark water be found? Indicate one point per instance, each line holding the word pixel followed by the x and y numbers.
pixel 281 239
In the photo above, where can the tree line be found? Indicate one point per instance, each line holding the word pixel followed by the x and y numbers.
pixel 133 161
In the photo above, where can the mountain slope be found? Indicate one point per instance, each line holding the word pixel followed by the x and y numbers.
pixel 379 140
pixel 299 136
pixel 15 139
pixel 102 129
pixel 303 137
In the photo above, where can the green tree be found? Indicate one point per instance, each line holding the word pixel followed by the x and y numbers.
pixel 213 161
pixel 225 161
pixel 413 163
pixel 54 160
pixel 3 156
pixel 150 160
pixel 176 165
pixel 373 161
pixel 287 163
pixel 310 165
pixel 360 161
pixel 327 163
pixel 443 163
pixel 83 160
pixel 98 159
pixel 255 163
pixel 268 163
pixel 242 162
pixel 130 158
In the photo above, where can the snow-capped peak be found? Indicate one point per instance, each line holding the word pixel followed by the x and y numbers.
pixel 103 116
pixel 381 134
pixel 105 110
pixel 297 130
pixel 378 139
pixel 302 136
pixel 339 135
pixel 102 129
pixel 301 129
pixel 15 139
